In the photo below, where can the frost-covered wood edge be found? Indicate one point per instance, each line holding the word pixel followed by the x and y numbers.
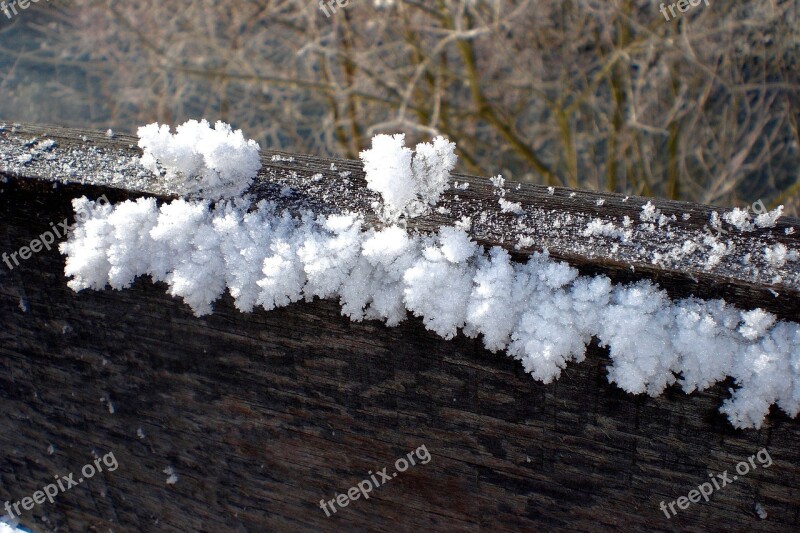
pixel 555 219
pixel 262 414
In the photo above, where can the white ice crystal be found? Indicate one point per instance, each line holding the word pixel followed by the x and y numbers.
pixel 431 166
pixel 375 289
pixel 510 207
pixel 606 229
pixel 409 182
pixel 492 310
pixel 329 254
pixel 739 218
pixel 88 246
pixel 246 242
pixel 767 373
pixel 130 224
pixel 282 273
pixel 214 163
pixel 703 328
pixel 769 219
pixel 438 285
pixel 642 362
pixel 549 333
pixel 649 213
pixel 777 255
pixel 186 254
pixel 743 221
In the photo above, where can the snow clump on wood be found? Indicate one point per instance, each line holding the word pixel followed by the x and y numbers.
pixel 213 163
pixel 409 182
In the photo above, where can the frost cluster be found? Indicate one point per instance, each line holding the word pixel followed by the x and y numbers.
pixel 540 312
pixel 770 218
pixel 607 229
pixel 212 163
pixel 651 213
pixel 778 255
pixel 739 218
pixel 409 182
pixel 743 221
pixel 510 207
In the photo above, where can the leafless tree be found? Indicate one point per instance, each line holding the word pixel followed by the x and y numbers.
pixel 600 94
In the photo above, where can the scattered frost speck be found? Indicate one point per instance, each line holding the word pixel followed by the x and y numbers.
pixel 109 405
pixel 172 477
pixel 715 221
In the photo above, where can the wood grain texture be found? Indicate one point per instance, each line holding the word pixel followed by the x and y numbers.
pixel 263 414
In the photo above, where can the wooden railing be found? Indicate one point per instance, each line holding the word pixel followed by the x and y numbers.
pixel 259 416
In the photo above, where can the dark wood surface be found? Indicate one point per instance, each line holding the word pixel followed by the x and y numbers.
pixel 262 415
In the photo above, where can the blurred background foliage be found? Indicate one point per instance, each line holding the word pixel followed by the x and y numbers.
pixel 596 94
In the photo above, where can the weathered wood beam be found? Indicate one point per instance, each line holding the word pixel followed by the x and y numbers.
pixel 261 415
pixel 555 219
